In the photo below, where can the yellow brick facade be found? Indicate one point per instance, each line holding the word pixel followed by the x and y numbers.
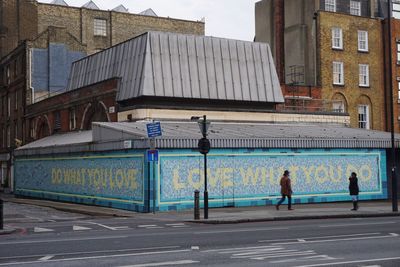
pixel 351 93
pixel 120 26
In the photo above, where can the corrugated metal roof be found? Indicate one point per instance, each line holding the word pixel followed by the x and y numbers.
pixel 110 136
pixel 121 8
pixel 184 66
pixel 59 2
pixel 61 140
pixel 91 5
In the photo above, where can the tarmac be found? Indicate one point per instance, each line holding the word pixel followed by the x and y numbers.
pixel 229 215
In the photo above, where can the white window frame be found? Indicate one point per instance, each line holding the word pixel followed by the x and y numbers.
pixel 330 5
pixel 398 51
pixel 100 27
pixel 363 117
pixel 398 88
pixel 8 136
pixel 337 38
pixel 363 75
pixel 72 119
pixel 338 106
pixel 363 41
pixel 355 8
pixel 338 73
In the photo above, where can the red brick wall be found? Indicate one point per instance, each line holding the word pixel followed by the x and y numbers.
pixel 79 99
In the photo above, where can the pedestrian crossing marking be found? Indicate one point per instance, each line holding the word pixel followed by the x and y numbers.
pixel 42 230
pixel 80 228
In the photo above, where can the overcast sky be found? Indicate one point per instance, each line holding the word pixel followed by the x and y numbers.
pixel 224 18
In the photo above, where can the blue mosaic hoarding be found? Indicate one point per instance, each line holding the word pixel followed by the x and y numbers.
pixel 236 177
pixel 110 178
pixel 240 178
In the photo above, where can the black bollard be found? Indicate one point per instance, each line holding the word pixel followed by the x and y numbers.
pixel 196 205
pixel 1 214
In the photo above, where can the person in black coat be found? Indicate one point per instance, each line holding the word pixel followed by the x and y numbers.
pixel 354 190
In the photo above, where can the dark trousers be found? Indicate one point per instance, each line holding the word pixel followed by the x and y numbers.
pixel 283 199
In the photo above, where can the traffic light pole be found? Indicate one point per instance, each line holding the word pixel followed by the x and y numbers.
pixel 205 171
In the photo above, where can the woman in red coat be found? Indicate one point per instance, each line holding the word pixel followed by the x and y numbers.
pixel 286 190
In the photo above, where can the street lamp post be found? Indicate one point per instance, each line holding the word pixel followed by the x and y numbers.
pixel 393 154
pixel 204 148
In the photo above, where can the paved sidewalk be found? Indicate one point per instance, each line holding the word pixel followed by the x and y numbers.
pixel 223 215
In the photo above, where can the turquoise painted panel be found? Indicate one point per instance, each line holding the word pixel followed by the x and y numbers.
pixel 109 178
pixel 240 177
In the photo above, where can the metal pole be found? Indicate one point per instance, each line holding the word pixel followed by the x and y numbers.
pixel 148 187
pixel 205 171
pixel 393 154
pixel 154 187
pixel 1 214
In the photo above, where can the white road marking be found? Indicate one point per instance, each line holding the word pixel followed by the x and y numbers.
pixel 98 257
pixel 80 228
pixel 354 224
pixel 91 252
pixel 109 227
pixel 232 250
pixel 63 240
pixel 42 230
pixel 45 258
pixel 146 225
pixel 165 263
pixel 175 224
pixel 195 248
pixel 317 237
pixel 348 262
pixel 309 258
pixel 295 254
pixel 263 251
pixel 338 239
pixel 155 227
pixel 242 230
pixel 252 251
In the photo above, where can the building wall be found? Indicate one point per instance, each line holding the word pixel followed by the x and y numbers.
pixel 12 105
pixel 54 114
pixel 15 25
pixel 395 26
pixel 236 177
pixel 120 26
pixel 343 6
pixel 351 93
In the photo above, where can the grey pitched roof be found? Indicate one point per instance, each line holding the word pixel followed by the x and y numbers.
pixel 90 5
pixel 59 2
pixel 121 8
pixel 148 12
pixel 164 64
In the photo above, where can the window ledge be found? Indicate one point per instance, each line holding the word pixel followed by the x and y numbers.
pixel 337 48
pixel 338 85
pixel 363 51
pixel 364 86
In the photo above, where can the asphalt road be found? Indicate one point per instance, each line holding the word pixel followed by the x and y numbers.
pixel 138 242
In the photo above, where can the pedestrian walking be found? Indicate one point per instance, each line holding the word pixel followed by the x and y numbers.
pixel 354 190
pixel 286 190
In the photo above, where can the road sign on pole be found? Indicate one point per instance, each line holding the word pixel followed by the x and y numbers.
pixel 152 155
pixel 153 129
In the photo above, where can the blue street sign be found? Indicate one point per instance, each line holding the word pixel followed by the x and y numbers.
pixel 153 129
pixel 152 155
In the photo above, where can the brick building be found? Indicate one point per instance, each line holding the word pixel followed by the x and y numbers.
pixel 36 53
pixel 94 28
pixel 322 41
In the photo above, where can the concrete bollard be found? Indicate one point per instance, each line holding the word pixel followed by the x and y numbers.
pixel 196 205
